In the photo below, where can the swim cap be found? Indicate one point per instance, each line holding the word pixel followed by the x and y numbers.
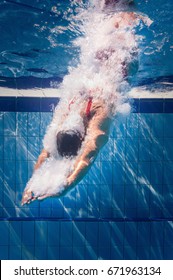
pixel 68 142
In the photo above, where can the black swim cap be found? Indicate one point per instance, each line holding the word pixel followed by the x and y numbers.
pixel 68 142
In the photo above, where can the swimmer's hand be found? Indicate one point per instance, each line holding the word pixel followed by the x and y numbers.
pixel 28 197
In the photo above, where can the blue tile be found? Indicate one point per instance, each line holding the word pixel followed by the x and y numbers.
pixel 40 253
pixel 144 149
pixel 4 234
pixel 167 196
pixel 91 253
pixel 66 253
pixel 41 230
pixel 93 203
pixel 9 148
pixel 81 200
pixel 34 124
pixel 78 234
pixel 130 234
pixel 78 253
pixel 104 234
pixel 156 253
pixel 1 124
pixel 66 234
pixel 48 104
pixel 151 106
pixel 145 124
pixel 168 108
pixel 168 234
pixel 45 211
pixel 8 104
pixel 44 122
pixel 133 125
pixel 106 172
pixel 168 121
pixel 119 149
pixel 10 124
pixel 157 149
pixel 4 252
pixel 118 129
pixel 105 212
pixel 143 234
pixel 131 173
pixel 157 234
pixel 28 104
pixel 28 252
pixel 135 105
pixel 21 148
pixel 31 165
pixel 168 173
pixel 156 201
pixel 129 253
pixel 52 253
pixel 94 175
pixel 157 128
pixel 144 175
pixel 22 124
pixel 168 149
pixel 143 253
pixel 168 252
pixel 33 148
pixel 1 148
pixel 15 233
pixel 117 253
pixel 9 184
pixel 143 201
pixel 132 147
pixel 104 253
pixel 130 201
pixel 157 172
pixel 15 252
pixel 118 198
pixel 107 151
pixel 28 229
pixel 117 234
pixel 53 237
pixel 92 231
pixel 105 196
pixel 118 173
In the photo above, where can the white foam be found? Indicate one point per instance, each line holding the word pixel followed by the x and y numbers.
pixel 95 75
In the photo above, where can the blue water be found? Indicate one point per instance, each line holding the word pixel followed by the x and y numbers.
pixel 31 38
pixel 122 209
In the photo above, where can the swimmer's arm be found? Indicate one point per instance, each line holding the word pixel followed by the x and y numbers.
pixel 42 157
pixel 90 152
pixel 97 138
pixel 130 19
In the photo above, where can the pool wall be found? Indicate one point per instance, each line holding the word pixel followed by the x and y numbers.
pixel 122 209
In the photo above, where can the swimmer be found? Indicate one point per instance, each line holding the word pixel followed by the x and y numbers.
pixel 96 119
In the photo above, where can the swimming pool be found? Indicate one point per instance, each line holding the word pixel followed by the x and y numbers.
pixel 122 209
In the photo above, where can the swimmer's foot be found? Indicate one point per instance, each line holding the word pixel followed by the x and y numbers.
pixel 28 197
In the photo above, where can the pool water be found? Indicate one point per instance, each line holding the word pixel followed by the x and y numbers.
pixel 122 209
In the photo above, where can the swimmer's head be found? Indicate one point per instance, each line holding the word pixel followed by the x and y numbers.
pixel 68 142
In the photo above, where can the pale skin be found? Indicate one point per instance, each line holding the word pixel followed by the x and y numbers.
pixel 97 128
